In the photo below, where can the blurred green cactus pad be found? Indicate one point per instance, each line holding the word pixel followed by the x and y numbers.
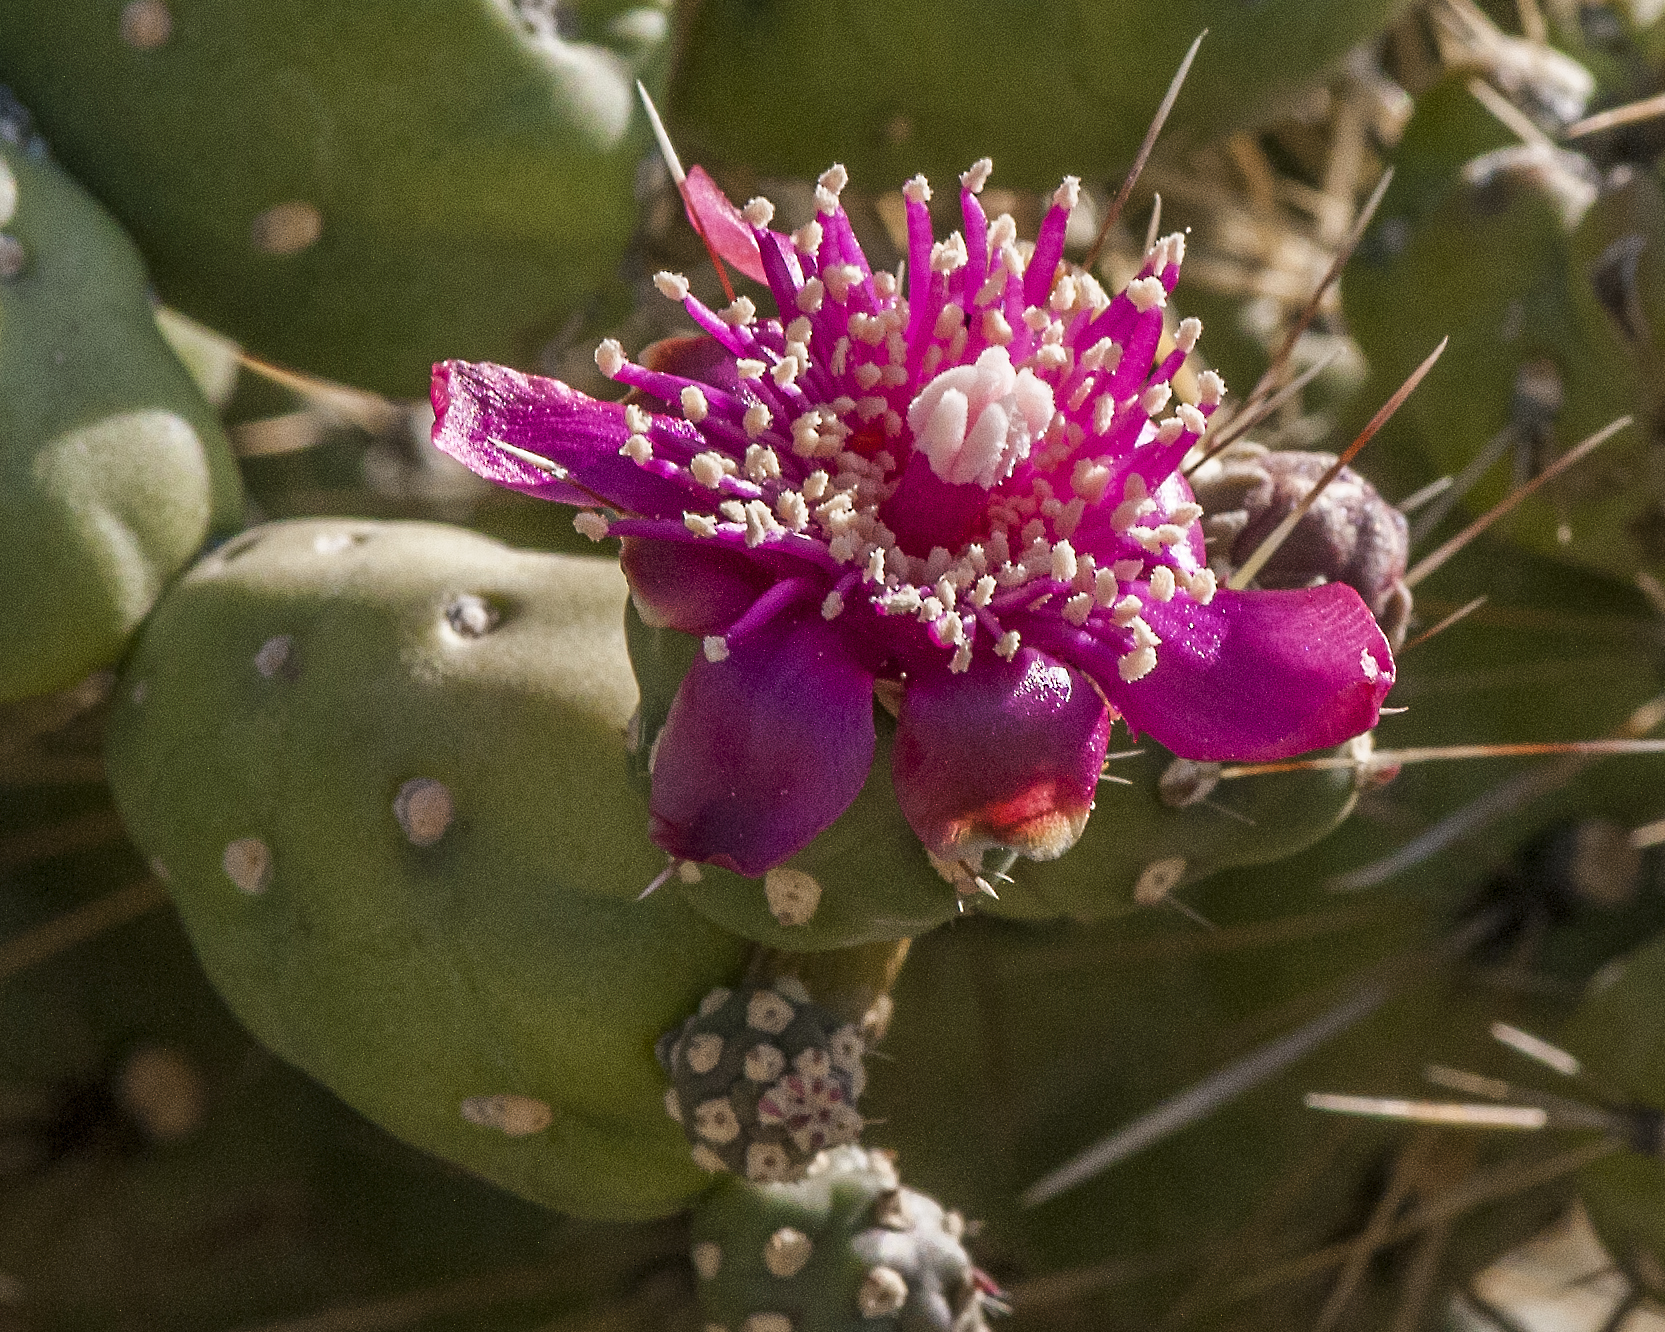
pixel 847 1247
pixel 354 190
pixel 382 766
pixel 1481 239
pixel 112 467
pixel 1617 1034
pixel 930 86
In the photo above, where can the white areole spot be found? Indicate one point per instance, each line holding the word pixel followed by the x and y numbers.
pixel 248 864
pixel 715 1121
pixel 766 1011
pixel 787 1251
pixel 977 422
pixel 767 1162
pixel 764 1063
pixel 704 1051
pixel 708 1259
pixel 273 655
pixel 1368 664
pixel 792 895
pixel 882 1293
pixel 1158 879
pixel 510 1113
pixel 424 810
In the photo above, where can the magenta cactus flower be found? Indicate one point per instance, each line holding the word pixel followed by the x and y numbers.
pixel 967 497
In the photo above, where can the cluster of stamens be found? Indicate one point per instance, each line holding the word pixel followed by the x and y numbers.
pixel 1010 387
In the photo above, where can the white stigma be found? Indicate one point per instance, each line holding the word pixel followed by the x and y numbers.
pixel 975 423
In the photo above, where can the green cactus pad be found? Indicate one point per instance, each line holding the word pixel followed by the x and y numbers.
pixel 383 768
pixel 112 467
pixel 1475 240
pixel 164 1171
pixel 845 1248
pixel 1616 1032
pixel 933 85
pixel 354 190
pixel 762 1079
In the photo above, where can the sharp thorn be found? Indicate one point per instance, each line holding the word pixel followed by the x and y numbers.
pixel 1646 109
pixel 1416 499
pixel 1157 121
pixel 1429 563
pixel 1461 614
pixel 1245 574
pixel 667 150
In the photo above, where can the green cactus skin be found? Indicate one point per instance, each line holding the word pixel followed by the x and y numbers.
pixel 382 765
pixel 354 190
pixel 788 89
pixel 762 1079
pixel 1470 245
pixel 843 1250
pixel 112 467
pixel 163 1171
pixel 1617 1034
pixel 863 880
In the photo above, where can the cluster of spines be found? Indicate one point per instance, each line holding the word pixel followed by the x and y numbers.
pixel 762 1079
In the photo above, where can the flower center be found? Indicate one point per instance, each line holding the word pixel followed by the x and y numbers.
pixel 975 423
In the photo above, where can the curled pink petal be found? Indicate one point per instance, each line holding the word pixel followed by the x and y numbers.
pixel 1002 755
pixel 1256 676
pixel 721 223
pixel 763 748
pixel 697 589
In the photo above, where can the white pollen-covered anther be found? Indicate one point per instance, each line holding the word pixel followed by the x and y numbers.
pixel 975 423
pixel 1147 293
pixel 977 175
pixel 673 285
pixel 590 523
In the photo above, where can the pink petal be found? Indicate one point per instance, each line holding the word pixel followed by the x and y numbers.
pixel 764 749
pixel 1259 675
pixel 1006 754
pixel 478 406
pixel 697 587
pixel 722 224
